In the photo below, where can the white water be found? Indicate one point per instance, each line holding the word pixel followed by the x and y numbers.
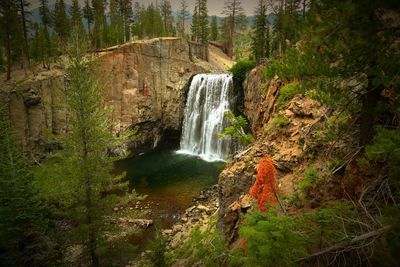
pixel 209 97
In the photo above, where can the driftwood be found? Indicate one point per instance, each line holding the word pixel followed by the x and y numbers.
pixel 349 243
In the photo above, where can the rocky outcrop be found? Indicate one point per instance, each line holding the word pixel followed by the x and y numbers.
pixel 284 144
pixel 259 99
pixel 144 84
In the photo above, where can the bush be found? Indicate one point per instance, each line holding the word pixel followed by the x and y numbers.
pixel 286 93
pixel 205 247
pixel 271 240
pixel 241 68
pixel 276 123
pixel 385 150
pixel 310 177
pixel 236 129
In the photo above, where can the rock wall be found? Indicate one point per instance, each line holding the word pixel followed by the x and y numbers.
pixel 259 99
pixel 286 146
pixel 144 84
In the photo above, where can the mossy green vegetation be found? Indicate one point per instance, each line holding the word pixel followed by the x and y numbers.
pixel 241 68
pixel 276 124
pixel 310 177
pixel 286 93
pixel 203 246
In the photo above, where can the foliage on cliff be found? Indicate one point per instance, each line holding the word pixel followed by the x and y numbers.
pixel 236 129
pixel 265 189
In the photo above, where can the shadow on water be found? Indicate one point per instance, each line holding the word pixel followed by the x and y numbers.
pixel 171 181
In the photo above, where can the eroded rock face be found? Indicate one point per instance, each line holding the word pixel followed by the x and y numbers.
pixel 144 84
pixel 285 146
pixel 259 99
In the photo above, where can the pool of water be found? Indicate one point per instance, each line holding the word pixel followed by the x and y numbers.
pixel 170 180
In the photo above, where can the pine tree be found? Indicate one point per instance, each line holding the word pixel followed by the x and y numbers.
pixel 260 37
pixel 61 23
pixel 9 22
pixel 195 24
pixel 46 22
pixel 166 14
pixel 330 58
pixel 20 211
pixel 99 28
pixel 23 5
pixel 139 13
pixel 126 14
pixel 214 28
pixel 115 27
pixel 84 163
pixel 183 15
pixel 88 15
pixel 76 18
pixel 203 22
pixel 234 10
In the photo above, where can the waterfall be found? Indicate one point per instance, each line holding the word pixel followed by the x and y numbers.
pixel 209 97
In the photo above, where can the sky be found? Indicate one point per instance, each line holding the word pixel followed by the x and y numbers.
pixel 215 7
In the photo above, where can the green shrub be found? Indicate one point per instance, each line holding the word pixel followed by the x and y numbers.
pixel 276 123
pixel 205 247
pixel 385 149
pixel 158 248
pixel 271 240
pixel 236 129
pixel 241 68
pixel 286 93
pixel 310 177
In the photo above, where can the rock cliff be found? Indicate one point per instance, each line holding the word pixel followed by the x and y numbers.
pixel 285 144
pixel 144 84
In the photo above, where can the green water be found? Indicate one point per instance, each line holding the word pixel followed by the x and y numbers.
pixel 170 180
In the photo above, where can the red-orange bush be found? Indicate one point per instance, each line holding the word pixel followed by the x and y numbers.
pixel 266 186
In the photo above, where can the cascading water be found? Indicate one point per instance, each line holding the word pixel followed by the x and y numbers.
pixel 209 97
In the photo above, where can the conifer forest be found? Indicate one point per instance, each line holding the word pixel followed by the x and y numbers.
pixel 203 133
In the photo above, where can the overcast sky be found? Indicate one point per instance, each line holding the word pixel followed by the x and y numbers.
pixel 215 7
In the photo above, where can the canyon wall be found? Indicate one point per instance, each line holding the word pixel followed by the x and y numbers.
pixel 144 83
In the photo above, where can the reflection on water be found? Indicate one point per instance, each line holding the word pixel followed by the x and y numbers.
pixel 170 180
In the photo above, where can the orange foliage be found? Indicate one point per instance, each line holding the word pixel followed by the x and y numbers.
pixel 266 186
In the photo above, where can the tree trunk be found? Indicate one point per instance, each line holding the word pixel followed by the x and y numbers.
pixel 367 116
pixel 8 56
pixel 26 46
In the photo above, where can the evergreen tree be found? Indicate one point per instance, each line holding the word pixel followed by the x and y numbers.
pixel 332 59
pixel 260 37
pixel 203 22
pixel 9 22
pixel 168 20
pixel 195 24
pixel 88 15
pixel 61 23
pixel 288 24
pixel 138 20
pixel 153 23
pixel 45 35
pixel 115 27
pixel 214 28
pixel 20 211
pixel 76 17
pixel 234 10
pixel 126 15
pixel 100 25
pixel 23 5
pixel 182 16
pixel 84 163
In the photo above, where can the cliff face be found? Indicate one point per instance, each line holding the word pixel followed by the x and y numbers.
pixel 144 84
pixel 285 144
